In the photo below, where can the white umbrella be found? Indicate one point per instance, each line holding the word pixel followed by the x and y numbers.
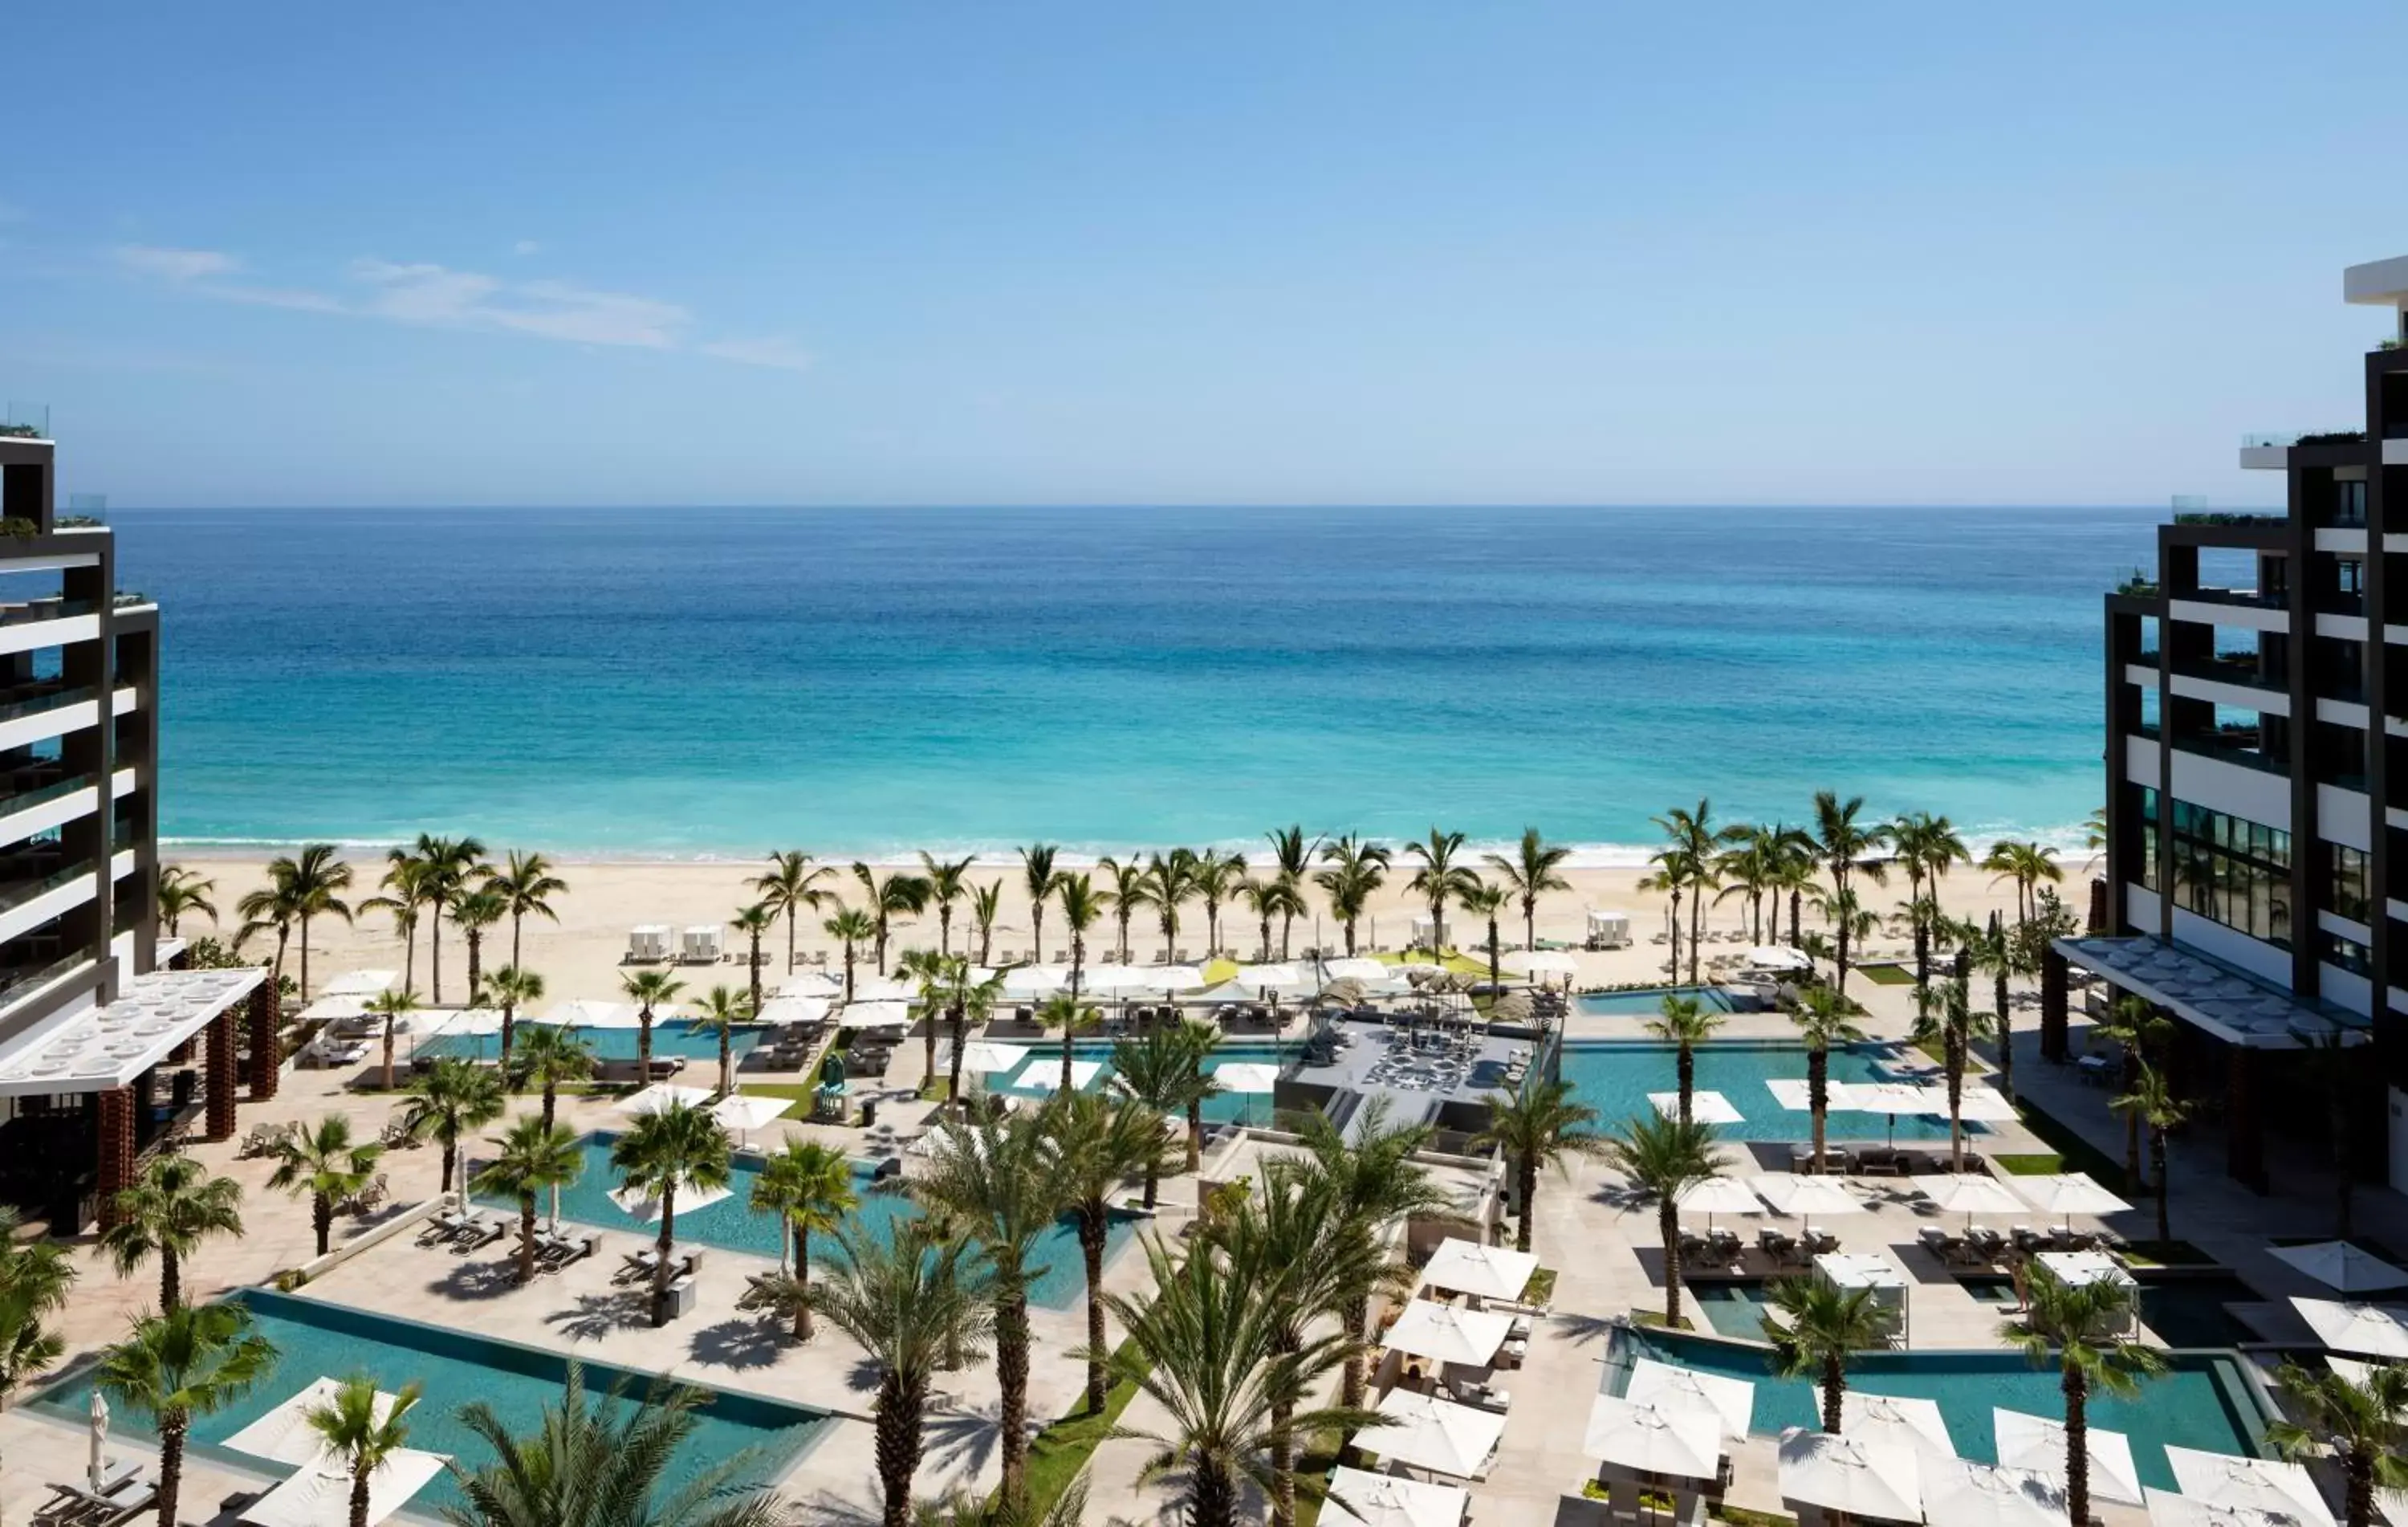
pixel 1895 1420
pixel 1967 1194
pixel 360 984
pixel 1791 1093
pixel 1385 1500
pixel 1489 1272
pixel 1805 1196
pixel 639 1203
pixel 2062 1193
pixel 1730 1401
pixel 1417 967
pixel 1353 968
pixel 1718 1195
pixel 1273 978
pixel 1246 1077
pixel 1545 962
pixel 746 1113
pixel 1777 957
pixel 320 1493
pixel 878 1014
pixel 341 1006
pixel 1429 1432
pixel 1174 978
pixel 2374 1331
pixel 811 984
pixel 1980 1106
pixel 785 1008
pixel 882 989
pixel 96 1471
pixel 586 1013
pixel 1840 1474
pixel 1640 1436
pixel 1704 1107
pixel 1114 981
pixel 284 1435
pixel 660 1097
pixel 1891 1098
pixel 2256 1483
pixel 2338 1264
pixel 985 1058
pixel 1446 1334
pixel 2036 1442
pixel 2168 1509
pixel 1969 1494
pixel 1048 1078
pixel 1043 980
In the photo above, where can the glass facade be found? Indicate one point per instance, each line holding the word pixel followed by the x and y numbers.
pixel 2347 894
pixel 2234 872
pixel 2348 953
pixel 2141 805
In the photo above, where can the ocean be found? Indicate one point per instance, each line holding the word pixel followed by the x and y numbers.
pixel 719 682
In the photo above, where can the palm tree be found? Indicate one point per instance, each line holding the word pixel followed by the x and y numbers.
pixel 1694 838
pixel 1439 879
pixel 1291 861
pixel 677 1146
pixel 897 896
pixel 355 1425
pixel 932 977
pixel 723 1011
pixel 652 990
pixel 1037 877
pixel 406 889
pixel 2161 1113
pixel 1794 855
pixel 2094 833
pixel 1678 873
pixel 851 927
pixel 1664 1157
pixel 1217 878
pixel 1852 924
pixel 602 1466
pixel 752 924
pixel 947 885
pixel 1357 869
pixel 1950 1018
pixel 273 906
pixel 1531 872
pixel 1688 1023
pixel 1844 845
pixel 186 1363
pixel 1169 883
pixel 995 1182
pixel 322 1163
pixel 1073 1016
pixel 547 1056
pixel 790 887
pixel 515 990
pixel 475 909
pixel 810 1187
pixel 1093 1145
pixel 969 1003
pixel 1207 1348
pixel 1540 1126
pixel 1995 955
pixel 1083 907
pixel 2138 1028
pixel 446 865
pixel 1269 899
pixel 35 1277
pixel 1824 1019
pixel 2361 1420
pixel 915 1301
pixel 454 1099
pixel 312 883
pixel 1482 900
pixel 2027 864
pixel 1822 1326
pixel 533 1155
pixel 1374 1182
pixel 1127 895
pixel 1198 1040
pixel 987 904
pixel 2076 1326
pixel 391 1007
pixel 527 885
pixel 181 892
pixel 1925 845
pixel 171 1208
pixel 1157 1070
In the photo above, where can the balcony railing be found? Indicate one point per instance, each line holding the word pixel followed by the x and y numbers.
pixel 33 610
pixel 2248 599
pixel 14 895
pixel 17 979
pixel 27 799
pixel 2252 519
pixel 2244 672
pixel 2225 753
pixel 54 699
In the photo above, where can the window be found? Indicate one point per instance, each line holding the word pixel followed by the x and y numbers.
pixel 2234 871
pixel 2348 953
pixel 2141 805
pixel 2345 893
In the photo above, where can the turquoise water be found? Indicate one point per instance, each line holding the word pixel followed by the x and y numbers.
pixel 315 1339
pixel 670 1036
pixel 731 1223
pixel 1649 1003
pixel 1733 1309
pixel 1044 1061
pixel 1614 1076
pixel 1118 676
pixel 2202 1403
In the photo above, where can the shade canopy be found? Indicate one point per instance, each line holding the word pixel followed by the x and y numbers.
pixel 1448 1334
pixel 783 1008
pixel 1718 1195
pixel 1730 1401
pixel 1040 980
pixel 660 1097
pixel 1545 962
pixel 1427 1433
pixel 637 1204
pixel 811 984
pixel 1049 1077
pixel 2038 1443
pixel 1966 1192
pixel 1841 1474
pixel 335 1007
pixel 284 1435
pixel 2374 1331
pixel 985 1057
pixel 1633 1435
pixel 874 1015
pixel 1789 1193
pixel 1777 957
pixel 1704 1107
pixel 360 984
pixel 882 989
pixel 1490 1271
pixel 1383 1500
pixel 1791 1093
pixel 1274 978
pixel 1353 968
pixel 1246 1077
pixel 1967 1494
pixel 320 1493
pixel 1886 1098
pixel 589 1012
pixel 738 1112
pixel 2339 1264
pixel 1979 1106
pixel 2169 1510
pixel 2066 1192
pixel 1895 1420
pixel 2256 1484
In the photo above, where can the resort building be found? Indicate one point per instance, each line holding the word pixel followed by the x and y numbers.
pixel 2258 789
pixel 102 1052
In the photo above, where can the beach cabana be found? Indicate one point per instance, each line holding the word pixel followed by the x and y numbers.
pixel 2374 1331
pixel 1427 1433
pixel 1447 1333
pixel 1704 1107
pixel 2169 1510
pixel 1383 1500
pixel 2254 1484
pixel 648 943
pixel 2038 1443
pixel 1484 1272
pixel 1645 1440
pixel 320 1492
pixel 1868 1481
pixel 2338 1264
pixel 1671 1387
pixel 2062 1193
pixel 1424 931
pixel 1607 929
pixel 702 944
pixel 1895 1420
pixel 1967 1494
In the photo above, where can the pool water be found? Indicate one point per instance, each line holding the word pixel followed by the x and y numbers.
pixel 1614 1076
pixel 1033 1076
pixel 1649 1002
pixel 1732 1308
pixel 732 1224
pixel 315 1339
pixel 2189 1312
pixel 670 1036
pixel 2202 1401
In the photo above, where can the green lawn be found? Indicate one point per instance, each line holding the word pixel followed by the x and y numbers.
pixel 1061 1451
pixel 799 1092
pixel 2039 1164
pixel 1886 975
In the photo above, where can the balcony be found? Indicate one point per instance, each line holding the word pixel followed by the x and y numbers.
pixel 2246 599
pixel 2250 519
pixel 44 695
pixel 2241 670
pixel 19 980
pixel 15 893
pixel 2235 746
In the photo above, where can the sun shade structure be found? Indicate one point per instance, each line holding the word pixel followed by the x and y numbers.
pixel 587 1012
pixel 1791 1093
pixel 1544 962
pixel 1042 981
pixel 1049 1077
pixel 1976 1105
pixel 284 1435
pixel 2038 1443
pixel 2066 1192
pixel 985 1057
pixel 2168 1509
pixel 1789 1193
pixel 1639 1436
pixel 2338 1264
pixel 1668 1387
pixel 1448 1334
pixel 320 1493
pixel 98 1049
pixel 1354 968
pixel 882 989
pixel 1967 1194
pixel 2374 1331
pixel 360 984
pixel 811 984
pixel 1273 978
pixel 1718 1195
pixel 2255 1484
pixel 783 1008
pixel 1247 1076
pixel 2234 1007
pixel 660 1097
pixel 1490 1271
pixel 1865 1479
pixel 1383 1500
pixel 880 1015
pixel 1962 1493
pixel 637 1203
pixel 1895 1420
pixel 1704 1107
pixel 1429 1432
pixel 743 1115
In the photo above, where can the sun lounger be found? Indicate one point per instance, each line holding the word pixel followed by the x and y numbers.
pixel 78 1505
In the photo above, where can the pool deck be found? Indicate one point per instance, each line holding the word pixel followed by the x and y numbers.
pixel 1352 1071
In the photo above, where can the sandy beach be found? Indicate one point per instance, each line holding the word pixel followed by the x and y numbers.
pixel 581 955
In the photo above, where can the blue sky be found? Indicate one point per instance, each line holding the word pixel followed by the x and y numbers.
pixel 1054 252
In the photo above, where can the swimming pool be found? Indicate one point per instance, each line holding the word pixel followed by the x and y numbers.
pixel 732 1224
pixel 1032 1076
pixel 2190 1311
pixel 1614 1076
pixel 316 1339
pixel 1649 1002
pixel 2202 1401
pixel 670 1036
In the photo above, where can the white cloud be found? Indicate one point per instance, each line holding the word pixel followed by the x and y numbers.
pixel 176 265
pixel 781 355
pixel 526 247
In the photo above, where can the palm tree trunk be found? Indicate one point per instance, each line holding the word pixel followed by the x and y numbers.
pixel 1094 1227
pixel 409 955
pixel 803 1281
pixel 664 1246
pixel 1011 1378
pixel 451 1157
pixel 789 942
pixel 1697 920
pixel 1526 1185
pixel 2165 1183
pixel 1195 1134
pixel 1835 1384
pixel 1676 932
pixel 1796 899
pixel 2077 1445
pixel 1283 1459
pixel 359 1496
pixel 928 1040
pixel 1685 1065
pixel 171 1281
pixel 475 958
pixel 2006 1036
pixel 305 961
pixel 1357 1320
pixel 321 1217
pixel 902 1406
pixel 551 1103
pixel 953 1022
pixel 1529 923
pixel 644 1044
pixel 755 934
pixel 516 919
pixel 435 954
pixel 1152 1181
pixel 1037 932
pixel 1667 1225
pixel 1496 984
pixel 388 1052
pixel 1818 1097
pixel 526 1239
pixel 726 1060
pixel 1287 929
pixel 1213 1497
pixel 945 929
pixel 171 1461
pixel 2357 1487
